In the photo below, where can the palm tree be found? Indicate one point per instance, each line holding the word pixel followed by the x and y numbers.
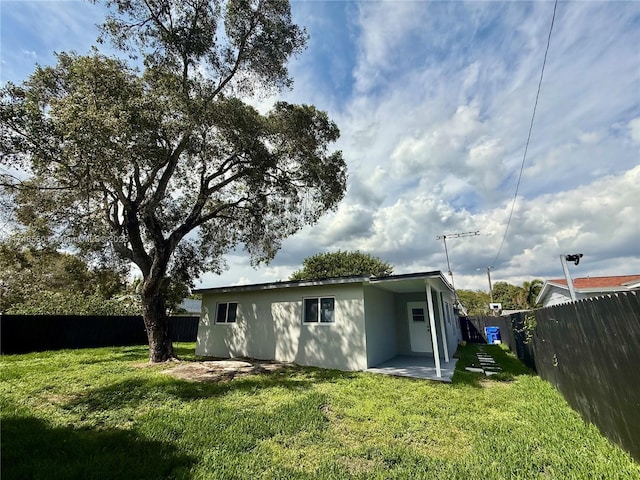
pixel 532 289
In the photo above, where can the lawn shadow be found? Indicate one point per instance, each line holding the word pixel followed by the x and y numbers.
pixel 133 392
pixel 31 449
pixel 511 367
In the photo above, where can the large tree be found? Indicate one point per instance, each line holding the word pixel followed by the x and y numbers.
pixel 341 264
pixel 166 165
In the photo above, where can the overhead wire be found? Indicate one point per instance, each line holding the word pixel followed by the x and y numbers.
pixel 526 147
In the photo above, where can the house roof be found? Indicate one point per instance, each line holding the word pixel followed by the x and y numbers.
pixel 614 283
pixel 392 282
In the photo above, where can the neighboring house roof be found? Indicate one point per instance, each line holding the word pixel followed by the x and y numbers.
pixel 586 285
pixel 599 284
pixel 391 282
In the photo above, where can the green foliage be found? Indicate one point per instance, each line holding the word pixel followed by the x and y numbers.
pixel 528 327
pixel 94 407
pixel 476 302
pixel 167 167
pixel 75 303
pixel 341 264
pixel 510 296
pixel 531 290
pixel 50 282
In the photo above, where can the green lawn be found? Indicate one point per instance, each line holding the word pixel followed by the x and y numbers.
pixel 97 414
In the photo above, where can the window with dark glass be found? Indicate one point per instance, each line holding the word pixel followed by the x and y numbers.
pixel 417 314
pixel 227 312
pixel 319 310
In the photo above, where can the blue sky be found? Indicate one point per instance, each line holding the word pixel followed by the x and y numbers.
pixel 434 101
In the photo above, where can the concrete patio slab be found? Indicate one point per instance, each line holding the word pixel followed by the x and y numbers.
pixel 416 367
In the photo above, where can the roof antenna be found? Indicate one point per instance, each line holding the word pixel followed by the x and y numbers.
pixel 446 252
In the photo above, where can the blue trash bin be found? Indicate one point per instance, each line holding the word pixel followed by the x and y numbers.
pixel 493 335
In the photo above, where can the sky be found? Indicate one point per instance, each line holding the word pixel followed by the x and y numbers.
pixel 434 101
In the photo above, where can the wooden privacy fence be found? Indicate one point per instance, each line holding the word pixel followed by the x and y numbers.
pixel 36 333
pixel 590 351
pixel 513 333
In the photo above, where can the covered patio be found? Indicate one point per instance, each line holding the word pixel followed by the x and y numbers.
pixel 418 336
pixel 413 366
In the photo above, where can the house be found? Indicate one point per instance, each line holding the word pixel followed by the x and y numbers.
pixel 555 292
pixel 347 323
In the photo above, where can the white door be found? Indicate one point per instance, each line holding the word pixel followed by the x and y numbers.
pixel 419 331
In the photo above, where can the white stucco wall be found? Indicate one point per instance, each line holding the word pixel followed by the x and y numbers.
pixel 380 320
pixel 269 326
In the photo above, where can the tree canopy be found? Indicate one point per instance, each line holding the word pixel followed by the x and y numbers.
pixel 341 264
pixel 45 281
pixel 512 297
pixel 166 165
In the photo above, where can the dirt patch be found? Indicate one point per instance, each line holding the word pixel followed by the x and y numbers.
pixel 219 370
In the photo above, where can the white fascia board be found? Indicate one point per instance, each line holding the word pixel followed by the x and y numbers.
pixel 281 285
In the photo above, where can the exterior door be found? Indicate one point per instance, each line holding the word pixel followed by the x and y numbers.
pixel 419 331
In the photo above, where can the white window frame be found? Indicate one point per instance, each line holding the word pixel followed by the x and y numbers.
pixel 319 299
pixel 218 322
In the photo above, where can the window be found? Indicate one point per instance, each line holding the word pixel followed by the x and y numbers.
pixel 319 310
pixel 227 312
pixel 417 314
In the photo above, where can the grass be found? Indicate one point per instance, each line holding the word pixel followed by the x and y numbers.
pixel 97 414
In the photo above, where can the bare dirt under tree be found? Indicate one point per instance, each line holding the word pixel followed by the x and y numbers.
pixel 220 370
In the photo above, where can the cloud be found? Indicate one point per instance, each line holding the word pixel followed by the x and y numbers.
pixel 434 102
pixel 634 130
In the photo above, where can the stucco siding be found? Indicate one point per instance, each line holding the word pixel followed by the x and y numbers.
pixel 380 321
pixel 402 332
pixel 402 322
pixel 269 326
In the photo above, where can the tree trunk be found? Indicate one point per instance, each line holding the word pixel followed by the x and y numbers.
pixel 157 324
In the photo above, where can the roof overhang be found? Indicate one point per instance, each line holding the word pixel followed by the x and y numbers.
pixel 404 283
pixel 283 285
pixel 411 282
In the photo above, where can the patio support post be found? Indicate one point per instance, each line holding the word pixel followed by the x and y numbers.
pixel 434 332
pixel 443 327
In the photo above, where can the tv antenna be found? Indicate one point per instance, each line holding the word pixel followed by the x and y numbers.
pixel 446 252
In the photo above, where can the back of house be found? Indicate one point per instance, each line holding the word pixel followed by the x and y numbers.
pixel 347 323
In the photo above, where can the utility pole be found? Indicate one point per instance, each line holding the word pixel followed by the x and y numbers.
pixel 490 288
pixel 446 252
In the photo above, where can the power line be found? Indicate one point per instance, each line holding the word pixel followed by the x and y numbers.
pixel 526 147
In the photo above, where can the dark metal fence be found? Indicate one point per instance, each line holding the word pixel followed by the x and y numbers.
pixel 36 333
